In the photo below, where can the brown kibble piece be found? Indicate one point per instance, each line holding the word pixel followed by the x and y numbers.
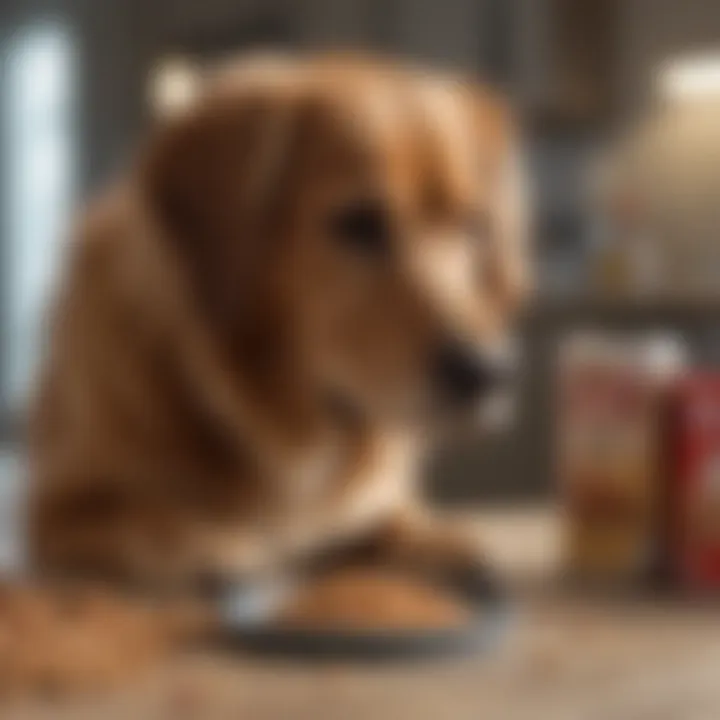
pixel 373 600
pixel 55 641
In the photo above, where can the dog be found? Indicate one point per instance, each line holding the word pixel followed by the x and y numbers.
pixel 303 277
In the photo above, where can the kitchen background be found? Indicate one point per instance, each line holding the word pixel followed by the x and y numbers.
pixel 621 100
pixel 621 104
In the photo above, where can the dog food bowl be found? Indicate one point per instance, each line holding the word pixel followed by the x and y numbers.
pixel 248 615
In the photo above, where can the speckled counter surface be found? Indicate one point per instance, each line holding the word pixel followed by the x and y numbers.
pixel 563 659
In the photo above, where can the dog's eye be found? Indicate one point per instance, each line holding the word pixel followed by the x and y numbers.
pixel 364 226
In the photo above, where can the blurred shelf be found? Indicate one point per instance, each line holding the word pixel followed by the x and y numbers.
pixel 587 308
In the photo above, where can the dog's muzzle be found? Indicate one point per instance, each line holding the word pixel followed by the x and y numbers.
pixel 477 379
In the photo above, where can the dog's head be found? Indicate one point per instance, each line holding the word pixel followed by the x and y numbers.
pixel 356 225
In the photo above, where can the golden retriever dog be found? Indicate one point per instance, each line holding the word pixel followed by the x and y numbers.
pixel 306 274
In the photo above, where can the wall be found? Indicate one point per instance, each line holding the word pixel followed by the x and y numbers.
pixel 655 30
pixel 115 41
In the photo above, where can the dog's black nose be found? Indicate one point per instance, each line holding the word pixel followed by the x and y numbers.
pixel 463 374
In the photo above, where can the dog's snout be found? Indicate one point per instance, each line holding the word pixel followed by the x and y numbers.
pixel 463 374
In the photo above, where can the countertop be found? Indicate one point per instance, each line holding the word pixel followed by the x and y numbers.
pixel 564 657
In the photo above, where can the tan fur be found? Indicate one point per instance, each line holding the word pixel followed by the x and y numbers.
pixel 184 421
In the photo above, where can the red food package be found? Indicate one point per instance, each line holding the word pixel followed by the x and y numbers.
pixel 694 492
pixel 612 391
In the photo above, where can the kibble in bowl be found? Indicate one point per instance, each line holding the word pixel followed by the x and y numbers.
pixel 364 613
pixel 373 600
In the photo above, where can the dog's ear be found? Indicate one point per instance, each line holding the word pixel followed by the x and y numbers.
pixel 213 180
pixel 509 196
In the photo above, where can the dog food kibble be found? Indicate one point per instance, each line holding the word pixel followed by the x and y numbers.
pixel 362 599
pixel 55 642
